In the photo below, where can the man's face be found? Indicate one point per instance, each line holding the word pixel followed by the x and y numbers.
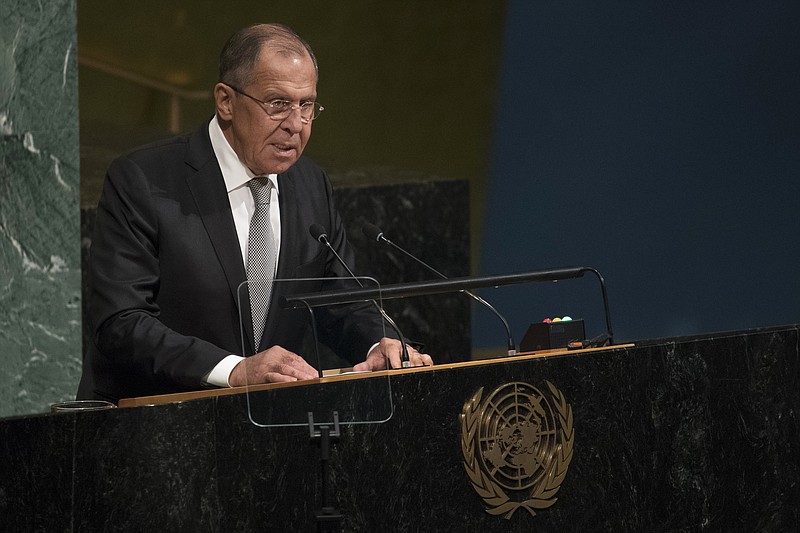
pixel 263 144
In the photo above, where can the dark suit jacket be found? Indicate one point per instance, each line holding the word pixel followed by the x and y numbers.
pixel 165 270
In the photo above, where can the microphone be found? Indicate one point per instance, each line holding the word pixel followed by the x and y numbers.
pixel 371 231
pixel 320 235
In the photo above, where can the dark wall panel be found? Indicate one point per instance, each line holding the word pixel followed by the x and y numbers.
pixel 660 143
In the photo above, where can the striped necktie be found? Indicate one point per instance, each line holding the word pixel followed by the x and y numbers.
pixel 261 256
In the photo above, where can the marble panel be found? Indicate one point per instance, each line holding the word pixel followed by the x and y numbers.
pixel 675 435
pixel 146 470
pixel 430 219
pixel 36 473
pixel 39 218
pixel 665 440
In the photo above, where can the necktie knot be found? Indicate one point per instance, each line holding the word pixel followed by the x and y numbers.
pixel 261 188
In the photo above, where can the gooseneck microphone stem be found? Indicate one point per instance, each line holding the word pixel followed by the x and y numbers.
pixel 609 335
pixel 319 234
pixel 374 232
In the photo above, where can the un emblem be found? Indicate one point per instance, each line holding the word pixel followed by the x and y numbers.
pixel 517 446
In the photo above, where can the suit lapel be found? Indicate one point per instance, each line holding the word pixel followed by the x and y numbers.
pixel 287 259
pixel 208 190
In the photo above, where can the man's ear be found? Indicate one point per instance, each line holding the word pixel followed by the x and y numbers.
pixel 223 101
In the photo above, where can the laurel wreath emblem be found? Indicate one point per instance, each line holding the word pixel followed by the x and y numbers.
pixel 543 493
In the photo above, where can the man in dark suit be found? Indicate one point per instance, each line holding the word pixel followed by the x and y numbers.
pixel 170 249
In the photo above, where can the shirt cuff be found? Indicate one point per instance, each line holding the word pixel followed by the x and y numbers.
pixel 372 348
pixel 221 373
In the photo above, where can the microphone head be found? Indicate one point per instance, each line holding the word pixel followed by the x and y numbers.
pixel 371 231
pixel 318 232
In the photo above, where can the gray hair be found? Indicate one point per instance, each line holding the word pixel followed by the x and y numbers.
pixel 240 53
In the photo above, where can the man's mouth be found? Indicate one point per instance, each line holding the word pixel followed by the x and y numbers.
pixel 284 148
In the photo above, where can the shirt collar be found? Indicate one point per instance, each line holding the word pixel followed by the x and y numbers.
pixel 234 173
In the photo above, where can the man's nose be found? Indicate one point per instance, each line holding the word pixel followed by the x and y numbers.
pixel 294 122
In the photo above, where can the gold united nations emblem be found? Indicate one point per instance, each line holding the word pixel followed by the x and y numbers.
pixel 517 446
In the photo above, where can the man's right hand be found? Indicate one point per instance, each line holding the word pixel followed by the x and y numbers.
pixel 272 365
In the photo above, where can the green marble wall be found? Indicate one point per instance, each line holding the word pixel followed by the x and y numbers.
pixel 40 322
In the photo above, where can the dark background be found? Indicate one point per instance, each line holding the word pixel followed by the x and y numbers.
pixel 658 142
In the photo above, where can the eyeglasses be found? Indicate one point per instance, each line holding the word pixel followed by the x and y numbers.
pixel 279 109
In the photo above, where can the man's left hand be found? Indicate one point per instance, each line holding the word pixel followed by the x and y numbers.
pixel 391 350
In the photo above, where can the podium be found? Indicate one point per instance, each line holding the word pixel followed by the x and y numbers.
pixel 675 434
